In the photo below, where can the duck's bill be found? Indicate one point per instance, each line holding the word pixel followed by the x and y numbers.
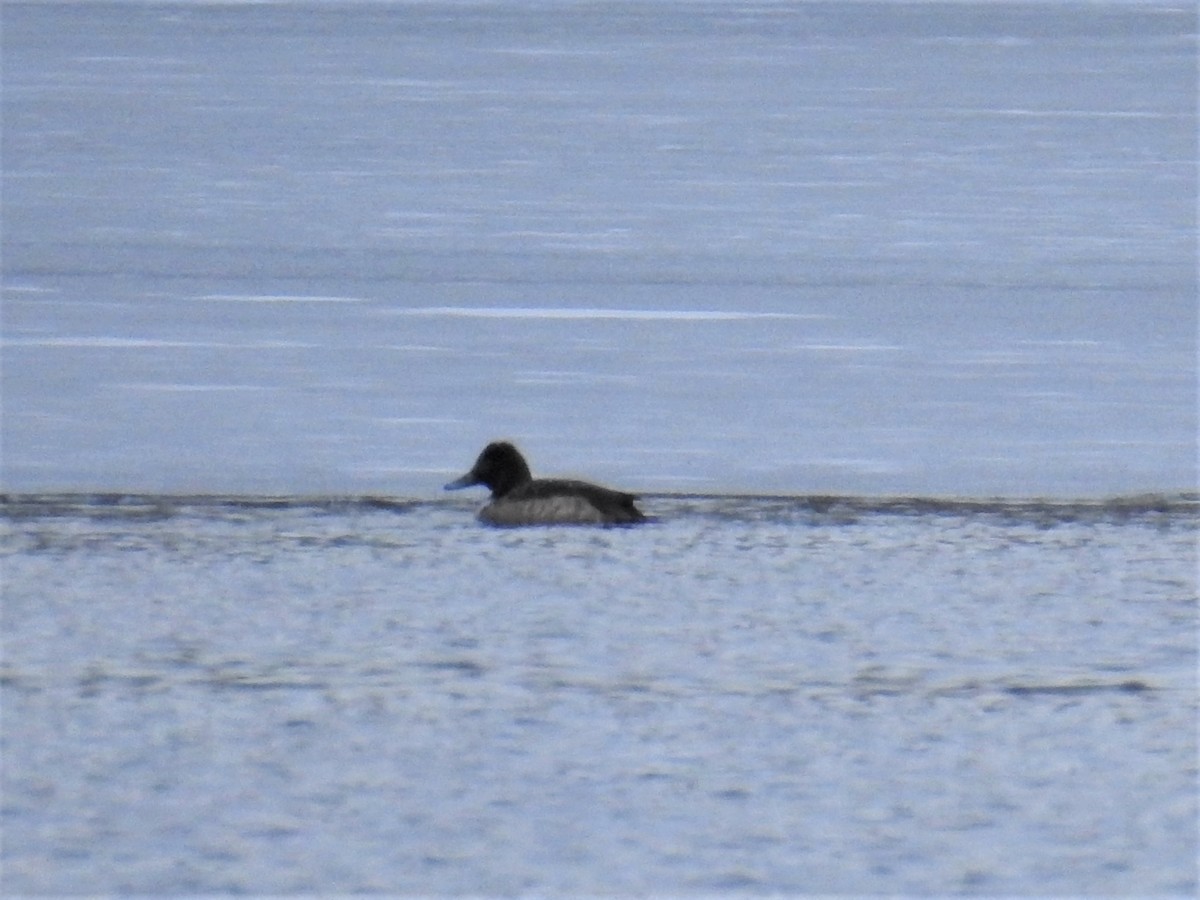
pixel 466 481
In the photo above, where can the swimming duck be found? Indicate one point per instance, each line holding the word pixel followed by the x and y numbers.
pixel 520 499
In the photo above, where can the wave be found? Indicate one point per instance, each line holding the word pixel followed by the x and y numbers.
pixel 1182 507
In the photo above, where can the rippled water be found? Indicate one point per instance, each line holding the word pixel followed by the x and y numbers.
pixel 752 695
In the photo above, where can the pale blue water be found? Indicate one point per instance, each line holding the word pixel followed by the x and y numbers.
pixel 871 249
pixel 877 248
pixel 751 696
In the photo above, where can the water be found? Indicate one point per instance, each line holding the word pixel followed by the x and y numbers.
pixel 784 248
pixel 828 252
pixel 749 696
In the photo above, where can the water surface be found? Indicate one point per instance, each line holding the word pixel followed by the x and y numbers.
pixel 827 252
pixel 787 248
pixel 752 695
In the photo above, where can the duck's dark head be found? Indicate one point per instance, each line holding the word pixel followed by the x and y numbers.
pixel 500 466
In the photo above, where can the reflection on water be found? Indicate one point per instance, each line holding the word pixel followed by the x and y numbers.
pixel 879 248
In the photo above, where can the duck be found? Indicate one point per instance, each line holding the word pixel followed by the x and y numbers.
pixel 520 499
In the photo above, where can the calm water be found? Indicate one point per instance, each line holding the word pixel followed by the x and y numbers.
pixel 750 696
pixel 795 247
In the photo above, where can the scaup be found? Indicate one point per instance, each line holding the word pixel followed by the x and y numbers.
pixel 520 499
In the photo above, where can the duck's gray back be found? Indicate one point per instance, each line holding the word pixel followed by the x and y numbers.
pixel 563 509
